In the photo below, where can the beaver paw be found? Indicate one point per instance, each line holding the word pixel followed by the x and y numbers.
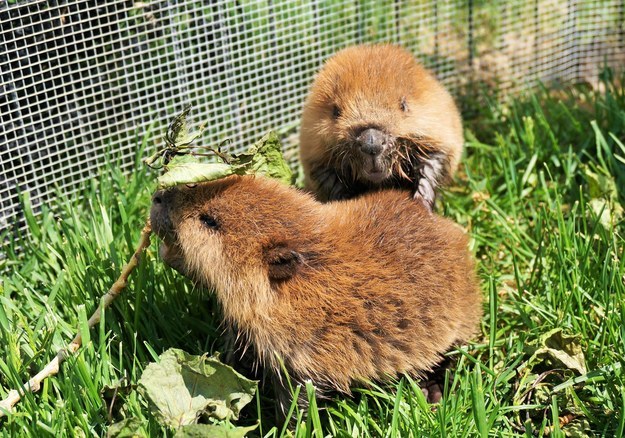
pixel 432 391
pixel 434 382
pixel 428 174
pixel 426 198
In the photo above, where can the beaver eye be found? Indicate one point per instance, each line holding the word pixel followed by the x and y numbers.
pixel 336 112
pixel 403 105
pixel 209 221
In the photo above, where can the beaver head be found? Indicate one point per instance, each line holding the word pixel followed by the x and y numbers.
pixel 373 115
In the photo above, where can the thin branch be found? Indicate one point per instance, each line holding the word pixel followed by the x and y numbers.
pixel 52 367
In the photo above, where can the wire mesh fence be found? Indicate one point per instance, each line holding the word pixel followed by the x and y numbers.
pixel 78 78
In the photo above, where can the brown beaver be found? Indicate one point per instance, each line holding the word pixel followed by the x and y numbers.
pixel 345 292
pixel 374 118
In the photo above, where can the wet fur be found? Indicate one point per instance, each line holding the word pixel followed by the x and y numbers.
pixel 345 292
pixel 371 86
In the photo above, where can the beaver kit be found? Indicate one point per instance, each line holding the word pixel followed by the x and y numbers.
pixel 341 293
pixel 374 118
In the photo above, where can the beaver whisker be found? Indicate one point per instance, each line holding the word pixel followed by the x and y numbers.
pixel 333 151
pixel 339 146
pixel 402 160
pixel 399 171
pixel 339 150
pixel 347 166
pixel 422 145
pixel 343 161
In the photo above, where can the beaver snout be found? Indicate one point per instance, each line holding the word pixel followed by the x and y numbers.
pixel 372 155
pixel 372 142
pixel 159 214
pixel 160 218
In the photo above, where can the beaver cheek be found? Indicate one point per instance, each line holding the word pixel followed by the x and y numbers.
pixel 173 257
pixel 164 252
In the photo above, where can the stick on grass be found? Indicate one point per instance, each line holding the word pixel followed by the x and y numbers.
pixel 52 367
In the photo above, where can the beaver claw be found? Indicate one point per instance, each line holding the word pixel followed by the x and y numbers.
pixel 428 174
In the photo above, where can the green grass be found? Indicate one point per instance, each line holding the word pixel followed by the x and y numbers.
pixel 531 193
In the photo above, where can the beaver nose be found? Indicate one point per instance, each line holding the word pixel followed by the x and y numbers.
pixel 165 196
pixel 159 213
pixel 372 141
pixel 159 197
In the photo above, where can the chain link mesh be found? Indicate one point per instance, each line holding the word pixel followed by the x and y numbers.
pixel 78 78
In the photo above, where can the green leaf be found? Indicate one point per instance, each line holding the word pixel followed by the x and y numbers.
pixel 559 350
pixel 189 173
pixel 182 387
pixel 127 428
pixel 578 428
pixel 177 141
pixel 265 158
pixel 178 133
pixel 183 167
pixel 213 430
pixel 179 160
pixel 600 183
pixel 604 197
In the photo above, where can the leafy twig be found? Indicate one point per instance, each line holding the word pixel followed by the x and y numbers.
pixel 178 142
pixel 52 367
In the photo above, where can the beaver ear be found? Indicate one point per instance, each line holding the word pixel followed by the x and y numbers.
pixel 282 262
